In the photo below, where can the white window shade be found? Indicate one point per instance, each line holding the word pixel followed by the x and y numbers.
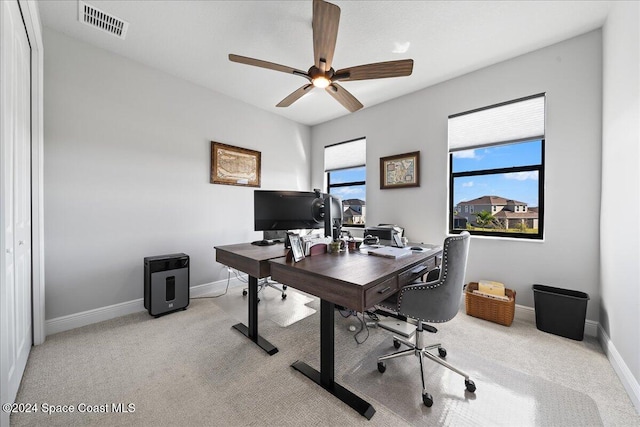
pixel 515 121
pixel 345 155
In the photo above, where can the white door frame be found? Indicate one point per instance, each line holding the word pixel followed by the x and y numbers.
pixel 32 22
pixel 34 249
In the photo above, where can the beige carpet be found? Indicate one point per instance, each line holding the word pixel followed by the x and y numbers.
pixel 192 368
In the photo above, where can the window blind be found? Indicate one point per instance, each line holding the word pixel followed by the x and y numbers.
pixel 345 155
pixel 513 121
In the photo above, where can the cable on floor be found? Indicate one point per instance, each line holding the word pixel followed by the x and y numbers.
pixel 363 327
pixel 225 290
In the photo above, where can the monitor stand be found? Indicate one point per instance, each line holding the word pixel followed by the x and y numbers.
pixel 263 243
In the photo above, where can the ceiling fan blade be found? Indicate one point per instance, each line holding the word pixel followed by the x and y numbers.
pixel 265 64
pixel 326 18
pixel 341 95
pixel 379 70
pixel 294 96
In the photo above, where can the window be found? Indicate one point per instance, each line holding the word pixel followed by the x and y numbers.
pixel 496 157
pixel 345 165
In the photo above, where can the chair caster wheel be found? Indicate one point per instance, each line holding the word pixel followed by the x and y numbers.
pixel 471 386
pixel 396 344
pixel 442 352
pixel 427 400
pixel 284 296
pixel 382 367
pixel 284 287
pixel 244 293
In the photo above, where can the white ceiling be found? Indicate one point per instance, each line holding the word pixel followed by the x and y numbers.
pixel 192 40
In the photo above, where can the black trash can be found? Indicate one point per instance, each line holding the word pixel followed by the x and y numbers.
pixel 560 311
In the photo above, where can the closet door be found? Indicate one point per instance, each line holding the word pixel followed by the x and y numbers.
pixel 15 204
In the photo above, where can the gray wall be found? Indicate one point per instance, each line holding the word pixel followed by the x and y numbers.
pixel 127 163
pixel 620 254
pixel 571 74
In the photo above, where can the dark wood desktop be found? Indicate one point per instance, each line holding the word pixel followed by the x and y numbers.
pixel 253 260
pixel 353 280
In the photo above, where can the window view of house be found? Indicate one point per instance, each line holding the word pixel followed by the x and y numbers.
pixel 496 181
pixel 497 190
pixel 503 214
pixel 344 164
pixel 350 186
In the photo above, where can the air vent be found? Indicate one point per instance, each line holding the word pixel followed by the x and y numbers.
pixel 104 21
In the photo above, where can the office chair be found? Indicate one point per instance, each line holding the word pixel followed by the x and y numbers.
pixel 266 282
pixel 433 301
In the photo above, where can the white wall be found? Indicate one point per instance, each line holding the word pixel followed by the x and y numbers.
pixel 571 74
pixel 127 164
pixel 619 228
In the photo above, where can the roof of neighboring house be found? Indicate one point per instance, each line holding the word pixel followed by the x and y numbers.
pixel 351 212
pixel 493 201
pixel 353 202
pixel 516 215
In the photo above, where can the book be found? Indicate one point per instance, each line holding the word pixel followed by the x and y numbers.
pixel 390 252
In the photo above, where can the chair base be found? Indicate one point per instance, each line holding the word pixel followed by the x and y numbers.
pixel 269 283
pixel 422 351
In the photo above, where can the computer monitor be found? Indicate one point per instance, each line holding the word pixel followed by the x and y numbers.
pixel 332 216
pixel 287 210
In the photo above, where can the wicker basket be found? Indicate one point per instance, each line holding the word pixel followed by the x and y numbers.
pixel 488 308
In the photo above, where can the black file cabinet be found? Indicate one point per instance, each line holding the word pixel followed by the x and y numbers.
pixel 166 283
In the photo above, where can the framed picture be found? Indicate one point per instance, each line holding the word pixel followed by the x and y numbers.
pixel 296 246
pixel 402 170
pixel 234 165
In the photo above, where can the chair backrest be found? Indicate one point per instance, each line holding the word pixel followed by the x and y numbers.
pixel 439 301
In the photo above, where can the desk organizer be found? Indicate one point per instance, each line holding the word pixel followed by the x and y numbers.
pixel 487 308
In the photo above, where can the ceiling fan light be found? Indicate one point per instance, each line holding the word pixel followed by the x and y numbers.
pixel 321 82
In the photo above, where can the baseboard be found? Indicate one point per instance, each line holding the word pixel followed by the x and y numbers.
pixel 620 367
pixel 77 320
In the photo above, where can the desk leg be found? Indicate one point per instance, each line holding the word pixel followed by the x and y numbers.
pixel 252 330
pixel 325 378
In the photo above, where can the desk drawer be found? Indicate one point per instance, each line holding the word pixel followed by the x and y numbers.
pixel 380 292
pixel 412 273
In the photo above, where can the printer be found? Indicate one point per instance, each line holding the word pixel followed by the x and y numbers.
pixel 384 232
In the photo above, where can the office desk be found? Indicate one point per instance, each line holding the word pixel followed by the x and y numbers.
pixel 253 260
pixel 353 280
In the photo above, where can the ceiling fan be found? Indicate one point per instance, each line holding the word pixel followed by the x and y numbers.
pixel 326 17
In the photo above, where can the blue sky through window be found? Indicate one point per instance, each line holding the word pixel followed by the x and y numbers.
pixel 349 175
pixel 520 186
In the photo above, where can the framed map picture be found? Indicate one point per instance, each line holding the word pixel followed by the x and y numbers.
pixel 234 165
pixel 402 170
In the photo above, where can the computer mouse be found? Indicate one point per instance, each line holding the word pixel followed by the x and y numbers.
pixel 416 248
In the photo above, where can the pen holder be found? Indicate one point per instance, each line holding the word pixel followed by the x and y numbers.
pixel 336 246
